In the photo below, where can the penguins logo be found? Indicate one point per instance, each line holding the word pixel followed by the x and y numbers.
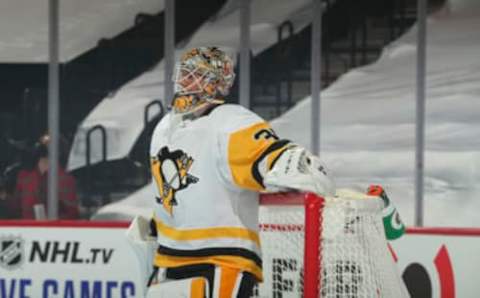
pixel 170 170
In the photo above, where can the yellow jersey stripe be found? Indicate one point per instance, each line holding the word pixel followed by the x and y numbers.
pixel 243 150
pixel 207 233
pixel 228 280
pixel 198 288
pixel 247 148
pixel 273 156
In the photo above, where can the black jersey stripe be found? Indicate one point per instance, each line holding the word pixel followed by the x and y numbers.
pixel 273 147
pixel 209 252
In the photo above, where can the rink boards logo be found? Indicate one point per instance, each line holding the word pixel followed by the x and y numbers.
pixel 420 282
pixel 171 172
pixel 11 252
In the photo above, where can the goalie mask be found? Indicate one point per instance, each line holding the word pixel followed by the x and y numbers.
pixel 204 75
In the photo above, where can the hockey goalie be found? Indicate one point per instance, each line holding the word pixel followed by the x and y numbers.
pixel 209 162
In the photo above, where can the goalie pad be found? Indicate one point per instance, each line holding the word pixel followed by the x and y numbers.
pixel 180 288
pixel 298 169
pixel 144 246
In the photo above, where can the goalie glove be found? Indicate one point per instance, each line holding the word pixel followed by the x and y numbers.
pixel 394 227
pixel 298 169
pixel 144 246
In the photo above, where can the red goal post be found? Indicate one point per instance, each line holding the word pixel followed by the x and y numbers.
pixel 311 260
pixel 316 247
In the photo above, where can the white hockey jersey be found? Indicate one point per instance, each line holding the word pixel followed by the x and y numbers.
pixel 207 175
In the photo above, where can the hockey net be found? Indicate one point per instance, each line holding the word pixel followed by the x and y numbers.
pixel 330 248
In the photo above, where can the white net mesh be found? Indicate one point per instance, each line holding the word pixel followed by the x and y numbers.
pixel 354 257
pixel 355 260
pixel 282 239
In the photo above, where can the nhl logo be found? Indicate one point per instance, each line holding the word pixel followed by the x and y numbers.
pixel 11 252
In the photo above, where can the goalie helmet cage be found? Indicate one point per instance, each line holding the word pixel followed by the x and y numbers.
pixel 329 248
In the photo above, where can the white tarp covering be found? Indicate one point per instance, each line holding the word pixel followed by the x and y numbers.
pixel 368 122
pixel 24 26
pixel 122 114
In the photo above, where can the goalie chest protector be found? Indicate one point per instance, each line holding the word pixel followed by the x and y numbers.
pixel 206 177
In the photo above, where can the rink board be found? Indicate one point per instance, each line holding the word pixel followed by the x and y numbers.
pixel 67 259
pixel 445 260
pixel 93 259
